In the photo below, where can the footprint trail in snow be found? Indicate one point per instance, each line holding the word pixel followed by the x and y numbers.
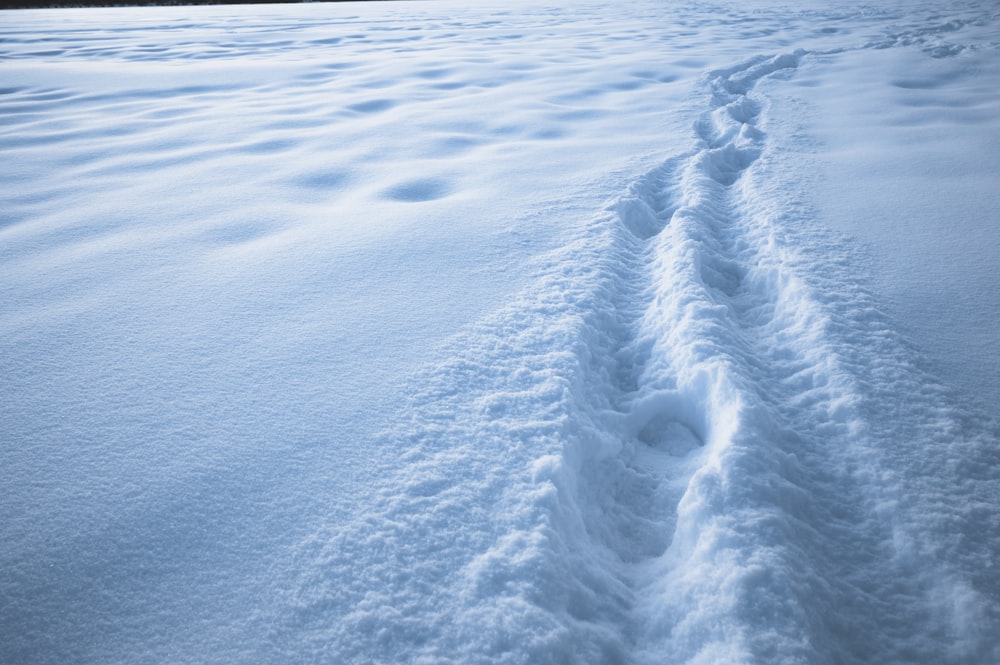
pixel 671 449
pixel 500 333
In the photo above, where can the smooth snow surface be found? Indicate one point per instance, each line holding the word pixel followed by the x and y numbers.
pixel 512 333
pixel 927 147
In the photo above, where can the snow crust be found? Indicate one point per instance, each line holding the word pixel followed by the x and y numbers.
pixel 515 333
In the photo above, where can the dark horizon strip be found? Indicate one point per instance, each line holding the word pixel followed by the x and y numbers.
pixel 48 4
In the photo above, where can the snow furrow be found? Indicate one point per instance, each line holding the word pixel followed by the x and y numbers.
pixel 776 522
pixel 779 521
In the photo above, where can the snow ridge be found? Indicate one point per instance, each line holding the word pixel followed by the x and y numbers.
pixel 662 450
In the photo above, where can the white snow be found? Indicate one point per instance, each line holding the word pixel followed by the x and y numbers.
pixel 925 139
pixel 521 332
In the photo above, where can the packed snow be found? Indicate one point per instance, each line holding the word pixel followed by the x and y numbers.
pixel 511 332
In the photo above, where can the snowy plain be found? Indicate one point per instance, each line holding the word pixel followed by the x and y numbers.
pixel 518 332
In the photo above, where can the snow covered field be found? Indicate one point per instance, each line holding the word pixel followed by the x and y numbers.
pixel 519 332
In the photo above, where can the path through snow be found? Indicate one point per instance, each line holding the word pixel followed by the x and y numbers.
pixel 385 333
pixel 681 433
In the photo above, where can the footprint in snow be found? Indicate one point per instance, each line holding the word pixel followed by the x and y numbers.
pixel 415 191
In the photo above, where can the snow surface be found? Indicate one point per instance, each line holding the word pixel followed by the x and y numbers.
pixel 525 332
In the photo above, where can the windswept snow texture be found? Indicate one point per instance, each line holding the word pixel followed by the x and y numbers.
pixel 588 333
